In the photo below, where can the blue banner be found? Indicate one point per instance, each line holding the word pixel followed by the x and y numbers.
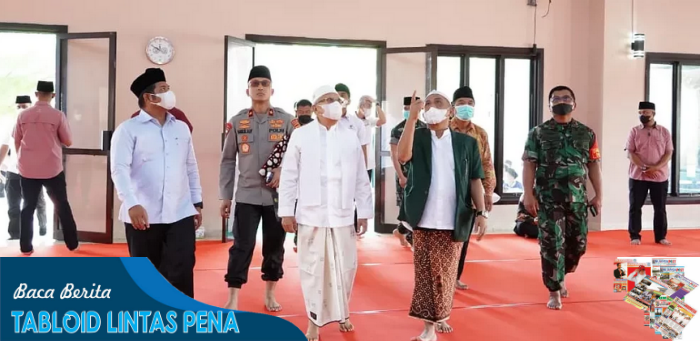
pixel 116 299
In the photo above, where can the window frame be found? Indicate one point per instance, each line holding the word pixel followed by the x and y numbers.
pixel 677 61
pixel 536 57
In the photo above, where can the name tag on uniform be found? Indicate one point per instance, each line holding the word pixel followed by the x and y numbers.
pixel 277 130
pixel 275 124
pixel 244 131
pixel 276 137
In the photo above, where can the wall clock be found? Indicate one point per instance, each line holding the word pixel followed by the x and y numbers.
pixel 160 51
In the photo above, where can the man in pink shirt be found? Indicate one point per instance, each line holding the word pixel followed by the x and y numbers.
pixel 649 148
pixel 39 134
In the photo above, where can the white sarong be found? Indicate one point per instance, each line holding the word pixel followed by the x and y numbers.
pixel 327 267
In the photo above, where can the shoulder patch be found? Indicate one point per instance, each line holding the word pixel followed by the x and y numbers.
pixel 295 123
pixel 228 127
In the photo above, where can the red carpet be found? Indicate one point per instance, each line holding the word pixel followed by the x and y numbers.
pixel 505 302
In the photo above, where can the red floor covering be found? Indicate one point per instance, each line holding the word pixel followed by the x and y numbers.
pixel 505 302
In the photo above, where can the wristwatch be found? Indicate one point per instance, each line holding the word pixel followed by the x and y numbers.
pixel 484 214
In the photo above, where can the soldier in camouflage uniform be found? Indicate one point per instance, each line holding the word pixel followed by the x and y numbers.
pixel 251 136
pixel 560 154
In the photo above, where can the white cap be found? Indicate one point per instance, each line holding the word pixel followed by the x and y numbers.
pixel 324 90
pixel 440 93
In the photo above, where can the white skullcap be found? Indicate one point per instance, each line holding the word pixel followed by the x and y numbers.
pixel 324 90
pixel 439 93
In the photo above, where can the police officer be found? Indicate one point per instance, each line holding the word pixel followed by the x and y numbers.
pixel 251 136
pixel 559 155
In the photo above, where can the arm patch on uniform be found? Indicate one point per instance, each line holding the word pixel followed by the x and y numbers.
pixel 228 128
pixel 295 123
pixel 594 151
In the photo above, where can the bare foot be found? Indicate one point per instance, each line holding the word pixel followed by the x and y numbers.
pixel 346 326
pixel 232 299
pixel 443 327
pixel 428 333
pixel 461 286
pixel 312 332
pixel 554 302
pixel 636 242
pixel 563 292
pixel 270 302
pixel 665 242
pixel 402 238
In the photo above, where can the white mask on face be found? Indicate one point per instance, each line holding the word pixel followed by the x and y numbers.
pixel 435 115
pixel 167 100
pixel 333 111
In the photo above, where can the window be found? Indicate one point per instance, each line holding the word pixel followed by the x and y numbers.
pixel 507 87
pixel 673 84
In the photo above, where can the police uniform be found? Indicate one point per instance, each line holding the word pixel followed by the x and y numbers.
pixel 251 138
pixel 562 153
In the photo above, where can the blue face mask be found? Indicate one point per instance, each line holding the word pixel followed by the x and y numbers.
pixel 406 113
pixel 464 112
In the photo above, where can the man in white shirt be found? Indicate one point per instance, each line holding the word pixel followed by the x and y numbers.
pixel 364 113
pixel 154 170
pixel 353 123
pixel 325 168
pixel 444 173
pixel 8 167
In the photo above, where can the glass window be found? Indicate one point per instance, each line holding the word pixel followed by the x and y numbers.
pixel 516 118
pixel 482 81
pixel 661 93
pixel 449 72
pixel 689 181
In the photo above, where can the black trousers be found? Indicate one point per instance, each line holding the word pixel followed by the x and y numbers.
pixel 463 254
pixel 13 189
pixel 171 249
pixel 56 189
pixel 240 255
pixel 369 173
pixel 638 194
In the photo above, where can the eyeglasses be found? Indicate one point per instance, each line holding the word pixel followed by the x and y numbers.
pixel 255 84
pixel 330 100
pixel 565 99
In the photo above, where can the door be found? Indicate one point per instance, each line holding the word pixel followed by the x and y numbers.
pixel 404 70
pixel 86 75
pixel 238 60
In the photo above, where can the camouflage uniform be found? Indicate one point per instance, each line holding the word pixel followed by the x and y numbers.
pixel 562 153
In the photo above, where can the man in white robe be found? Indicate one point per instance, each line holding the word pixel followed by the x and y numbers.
pixel 324 164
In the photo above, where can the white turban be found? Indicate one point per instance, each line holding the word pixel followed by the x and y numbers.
pixel 439 93
pixel 324 90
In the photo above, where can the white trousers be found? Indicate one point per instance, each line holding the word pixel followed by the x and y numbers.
pixel 327 268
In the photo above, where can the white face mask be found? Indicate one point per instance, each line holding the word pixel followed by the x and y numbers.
pixel 167 100
pixel 435 115
pixel 333 111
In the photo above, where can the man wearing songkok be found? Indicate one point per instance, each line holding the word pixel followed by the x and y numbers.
pixel 154 170
pixel 444 182
pixel 463 101
pixel 649 148
pixel 325 168
pixel 251 135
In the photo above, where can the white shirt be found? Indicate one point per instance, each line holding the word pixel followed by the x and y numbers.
pixel 10 162
pixel 355 124
pixel 340 156
pixel 441 205
pixel 370 123
pixel 154 166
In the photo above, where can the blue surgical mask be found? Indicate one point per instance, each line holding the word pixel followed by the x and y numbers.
pixel 464 112
pixel 406 113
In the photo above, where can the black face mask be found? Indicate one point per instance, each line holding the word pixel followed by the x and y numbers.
pixel 304 119
pixel 644 119
pixel 562 109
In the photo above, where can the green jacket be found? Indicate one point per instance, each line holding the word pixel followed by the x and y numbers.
pixel 467 167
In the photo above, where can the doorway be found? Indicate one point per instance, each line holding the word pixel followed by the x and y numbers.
pixel 83 69
pixel 298 67
pixel 25 58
